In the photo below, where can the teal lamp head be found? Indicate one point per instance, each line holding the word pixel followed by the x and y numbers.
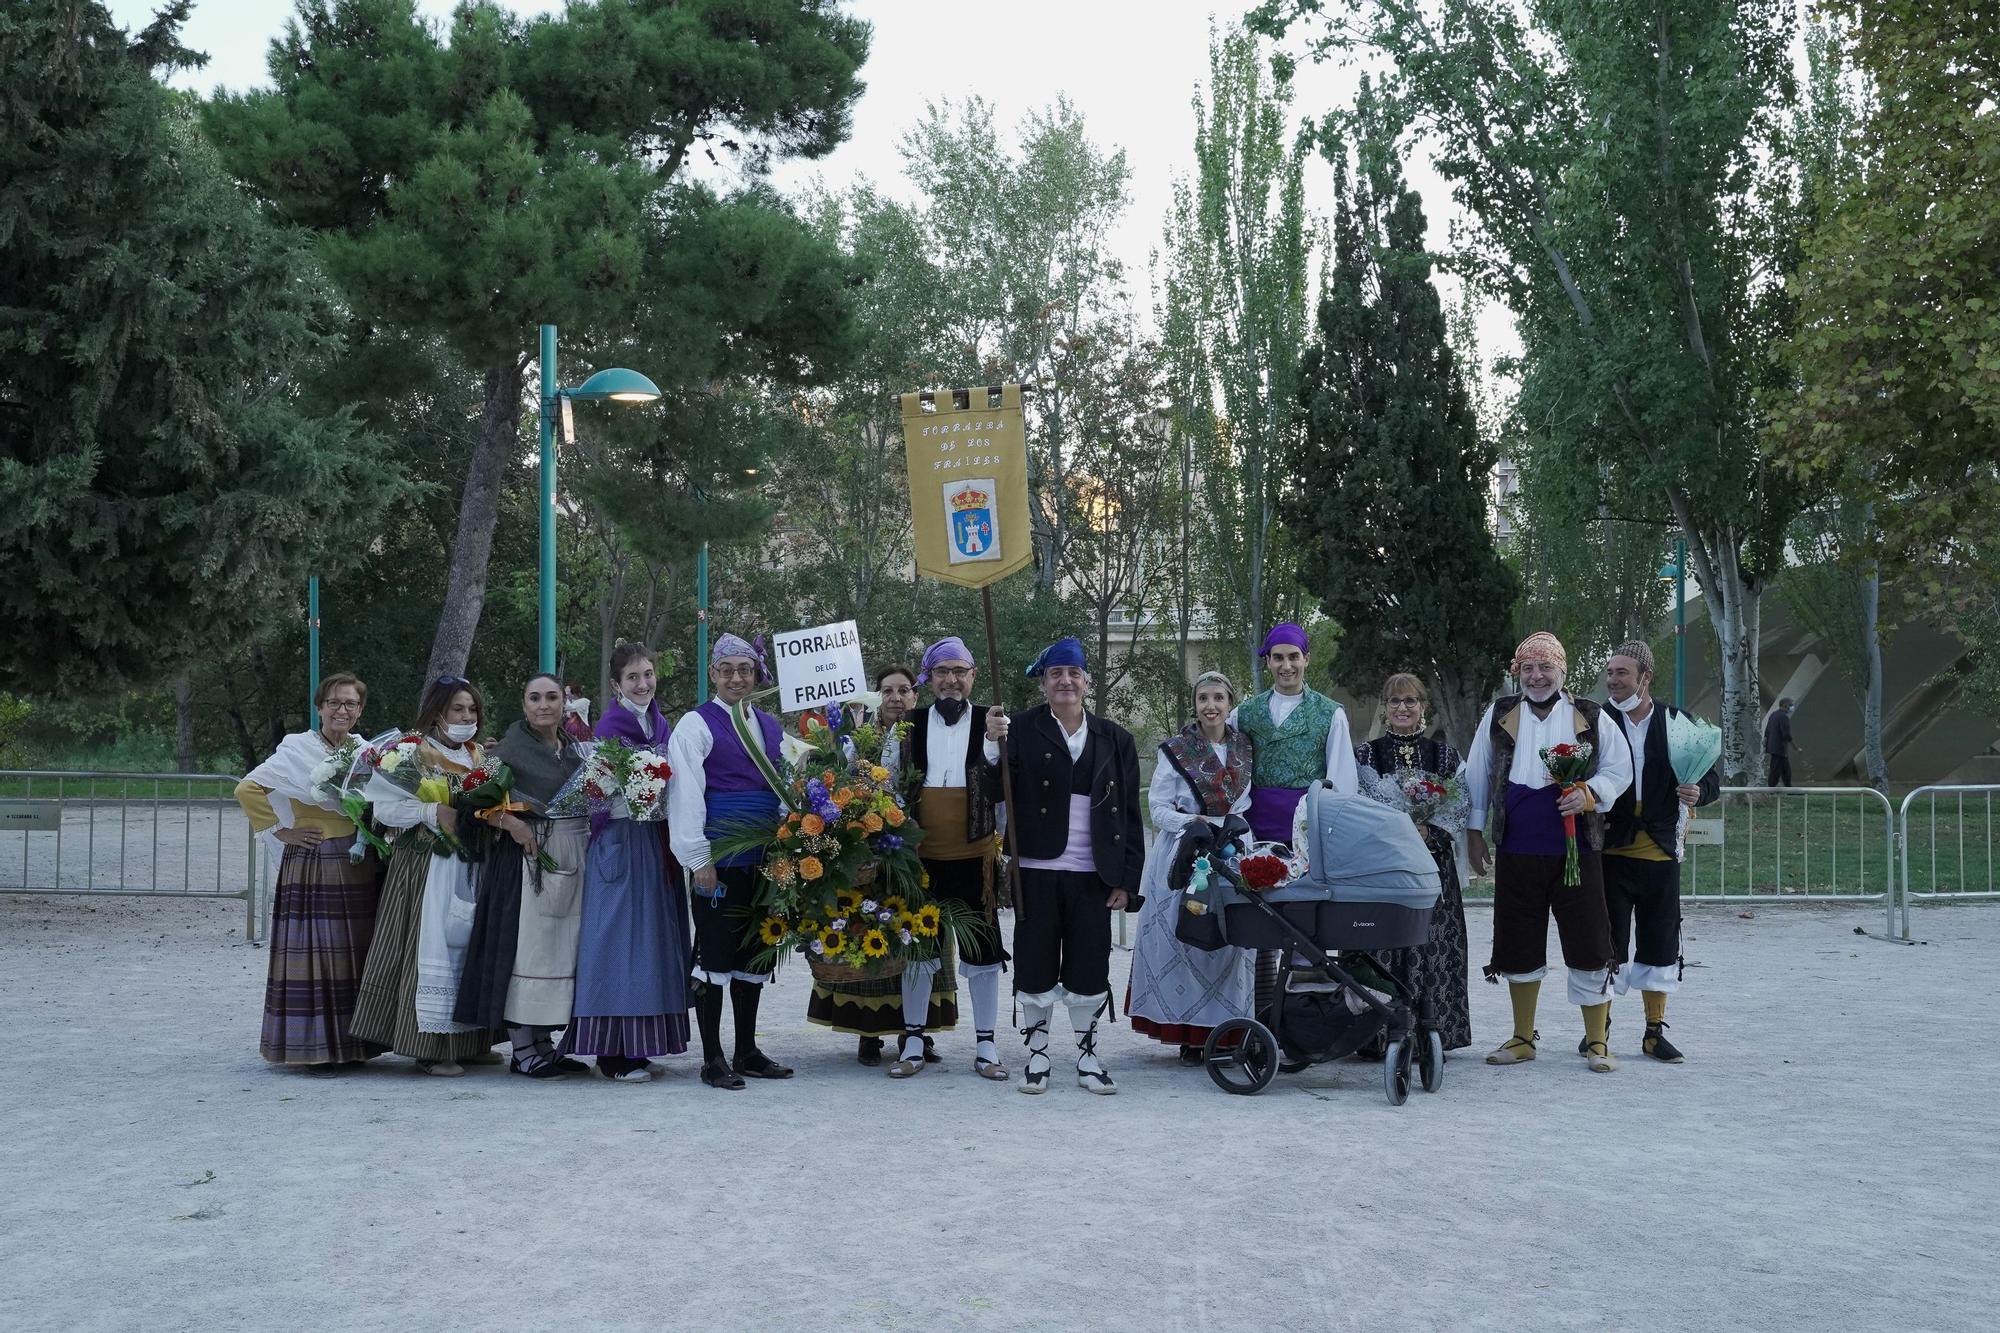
pixel 616 385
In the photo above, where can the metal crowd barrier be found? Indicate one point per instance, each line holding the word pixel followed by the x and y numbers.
pixel 1939 863
pixel 134 834
pixel 1793 844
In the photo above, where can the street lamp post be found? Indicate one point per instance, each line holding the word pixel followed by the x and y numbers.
pixel 1676 574
pixel 616 385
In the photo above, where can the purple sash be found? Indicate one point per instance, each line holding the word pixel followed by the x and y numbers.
pixel 1271 811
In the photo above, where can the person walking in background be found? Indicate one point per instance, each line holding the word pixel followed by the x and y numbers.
pixel 1778 745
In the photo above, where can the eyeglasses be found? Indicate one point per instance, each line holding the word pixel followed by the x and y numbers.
pixel 731 672
pixel 1405 702
pixel 341 706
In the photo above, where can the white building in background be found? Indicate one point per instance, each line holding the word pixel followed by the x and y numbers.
pixel 1506 484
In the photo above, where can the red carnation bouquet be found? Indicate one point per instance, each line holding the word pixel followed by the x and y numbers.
pixel 487 792
pixel 1568 764
pixel 1263 871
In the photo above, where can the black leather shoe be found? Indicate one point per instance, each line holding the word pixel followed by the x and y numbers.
pixel 1657 1045
pixel 537 1068
pixel 931 1057
pixel 870 1053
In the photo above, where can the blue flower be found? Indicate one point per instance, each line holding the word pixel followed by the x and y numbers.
pixel 816 792
pixel 887 842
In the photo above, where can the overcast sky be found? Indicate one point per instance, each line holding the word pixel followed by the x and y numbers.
pixel 1130 67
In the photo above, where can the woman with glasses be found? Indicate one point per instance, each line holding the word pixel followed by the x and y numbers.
pixel 520 969
pixel 410 986
pixel 632 959
pixel 323 914
pixel 1434 972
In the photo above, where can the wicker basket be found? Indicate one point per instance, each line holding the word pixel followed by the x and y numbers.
pixel 841 974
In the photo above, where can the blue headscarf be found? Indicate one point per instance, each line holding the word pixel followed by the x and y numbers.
pixel 1063 652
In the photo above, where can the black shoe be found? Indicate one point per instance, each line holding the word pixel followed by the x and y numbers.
pixel 1583 1046
pixel 718 1074
pixel 759 1065
pixel 1657 1045
pixel 931 1057
pixel 569 1066
pixel 537 1067
pixel 870 1053
pixel 1191 1055
pixel 1293 1066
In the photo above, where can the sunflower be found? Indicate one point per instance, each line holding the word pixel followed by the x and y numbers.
pixel 903 922
pixel 808 928
pixel 895 817
pixel 773 930
pixel 812 825
pixel 894 902
pixel 810 868
pixel 872 823
pixel 849 901
pixel 833 941
pixel 925 882
pixel 875 944
pixel 927 920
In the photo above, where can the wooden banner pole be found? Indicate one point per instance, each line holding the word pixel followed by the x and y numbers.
pixel 1006 769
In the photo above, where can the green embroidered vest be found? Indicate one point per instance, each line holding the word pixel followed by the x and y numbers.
pixel 1293 755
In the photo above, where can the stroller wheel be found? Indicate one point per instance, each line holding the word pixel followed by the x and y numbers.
pixel 1242 1056
pixel 1396 1072
pixel 1430 1060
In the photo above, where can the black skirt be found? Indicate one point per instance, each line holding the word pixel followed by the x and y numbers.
pixel 496 930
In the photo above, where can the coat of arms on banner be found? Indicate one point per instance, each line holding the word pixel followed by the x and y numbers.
pixel 972 519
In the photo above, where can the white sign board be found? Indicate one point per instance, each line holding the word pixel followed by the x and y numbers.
pixel 1704 833
pixel 819 666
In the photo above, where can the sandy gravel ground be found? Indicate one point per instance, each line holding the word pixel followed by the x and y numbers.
pixel 1826 1159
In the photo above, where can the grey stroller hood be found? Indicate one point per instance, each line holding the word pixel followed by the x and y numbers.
pixel 1359 850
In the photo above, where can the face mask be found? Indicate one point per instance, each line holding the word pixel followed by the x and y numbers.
pixel 1626 705
pixel 458 733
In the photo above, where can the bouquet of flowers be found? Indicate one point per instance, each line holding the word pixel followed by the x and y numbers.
pixel 488 793
pixel 614 777
pixel 842 883
pixel 1568 764
pixel 393 768
pixel 1263 871
pixel 335 786
pixel 1693 746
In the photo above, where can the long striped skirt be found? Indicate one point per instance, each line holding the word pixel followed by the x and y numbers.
pixel 322 919
pixel 386 1011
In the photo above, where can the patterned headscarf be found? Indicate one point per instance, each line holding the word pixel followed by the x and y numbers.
pixel 1638 650
pixel 1541 646
pixel 1216 678
pixel 733 645
pixel 951 648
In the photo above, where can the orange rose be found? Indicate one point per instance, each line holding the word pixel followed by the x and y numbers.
pixel 845 796
pixel 813 825
pixel 872 822
pixel 895 817
pixel 810 868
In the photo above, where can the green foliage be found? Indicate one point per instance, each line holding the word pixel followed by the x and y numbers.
pixel 165 475
pixel 1233 320
pixel 1895 361
pixel 467 185
pixel 1389 481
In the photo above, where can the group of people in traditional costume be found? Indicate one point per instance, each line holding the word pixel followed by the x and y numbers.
pixel 615 933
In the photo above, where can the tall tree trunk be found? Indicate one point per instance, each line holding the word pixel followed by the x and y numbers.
pixel 1735 613
pixel 183 692
pixel 478 512
pixel 1461 700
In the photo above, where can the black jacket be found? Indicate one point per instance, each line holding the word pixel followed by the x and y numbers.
pixel 1659 806
pixel 982 780
pixel 1039 758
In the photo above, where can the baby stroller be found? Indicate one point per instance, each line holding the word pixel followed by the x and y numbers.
pixel 1369 883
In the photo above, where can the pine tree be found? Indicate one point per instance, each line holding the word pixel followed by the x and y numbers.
pixel 472 184
pixel 165 482
pixel 1389 486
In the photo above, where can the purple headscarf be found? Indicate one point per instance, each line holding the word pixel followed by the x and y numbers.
pixel 1282 633
pixel 733 645
pixel 948 649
